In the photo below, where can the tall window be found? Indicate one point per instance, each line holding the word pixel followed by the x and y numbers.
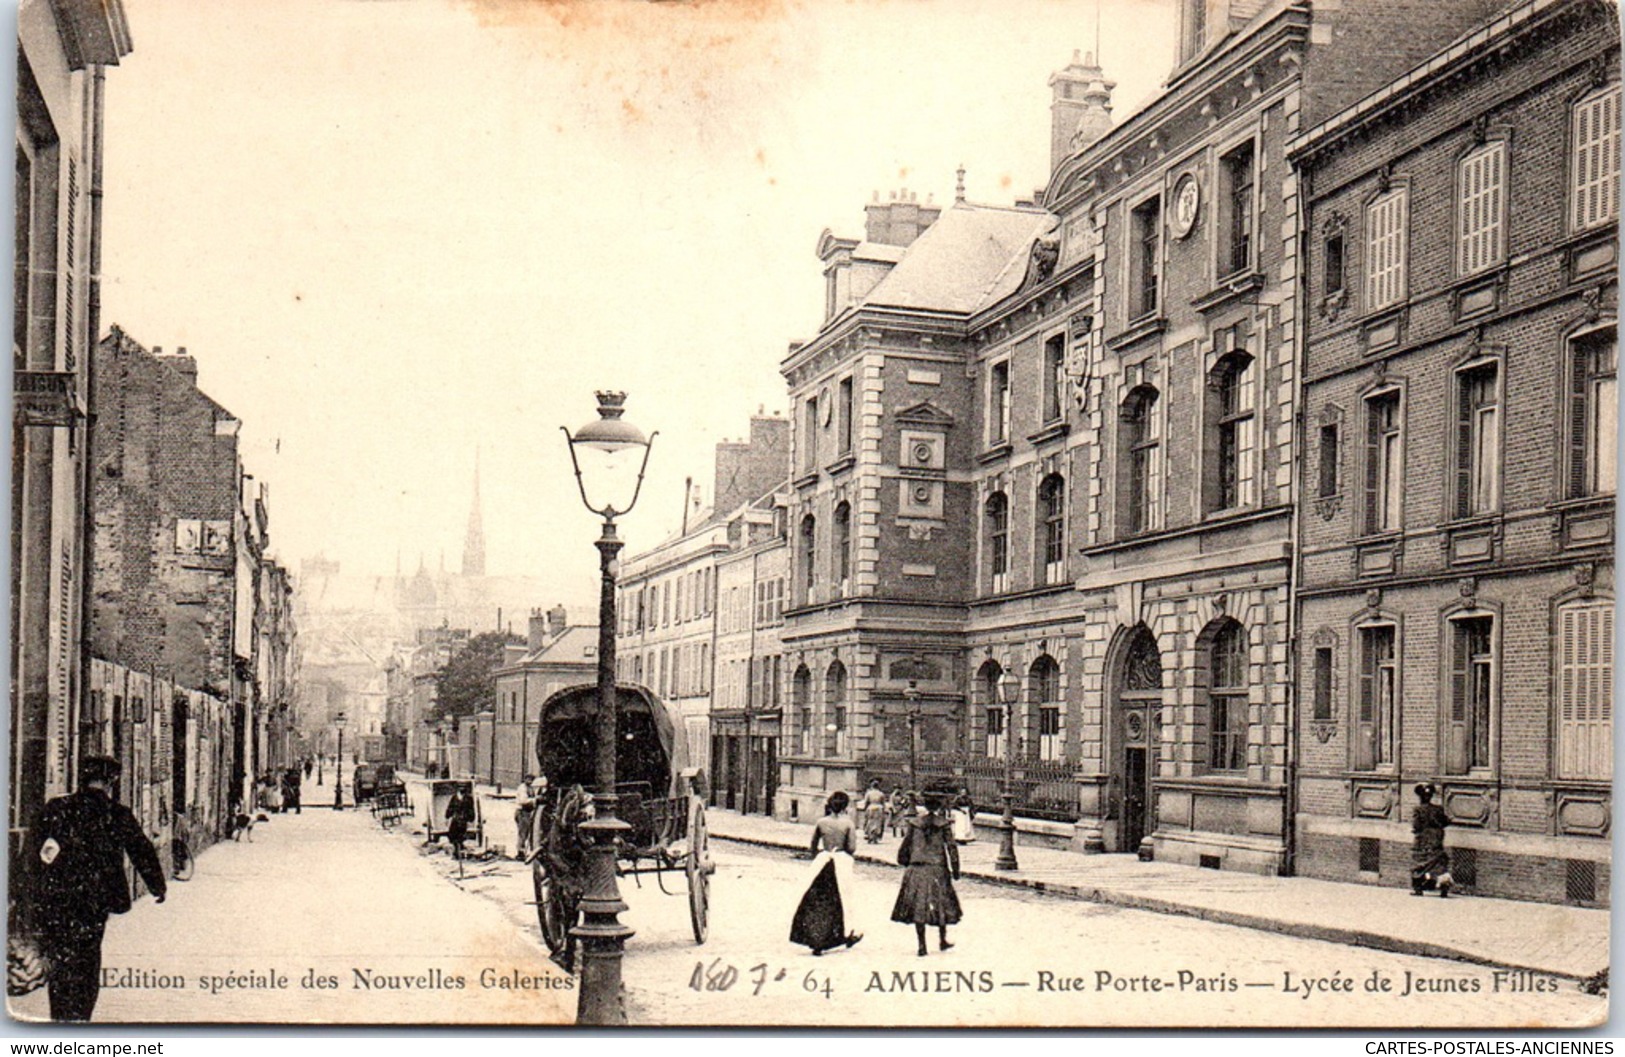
pixel 1379 685
pixel 1480 208
pixel 801 691
pixel 1594 166
pixel 1472 694
pixel 846 410
pixel 1335 260
pixel 1236 253
pixel 1321 707
pixel 1054 376
pixel 809 435
pixel 1231 484
pixel 1585 691
pixel 1386 246
pixel 1052 528
pixel 1227 699
pixel 843 545
pixel 835 708
pixel 1044 689
pixel 1593 413
pixel 1146 230
pixel 1142 451
pixel 809 541
pixel 998 542
pixel 1478 441
pixel 998 402
pixel 1194 26
pixel 1384 467
pixel 994 710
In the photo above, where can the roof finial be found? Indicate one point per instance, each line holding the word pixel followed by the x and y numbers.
pixel 959 184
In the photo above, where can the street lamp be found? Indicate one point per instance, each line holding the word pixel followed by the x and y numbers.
pixel 609 456
pixel 912 695
pixel 338 764
pixel 1010 690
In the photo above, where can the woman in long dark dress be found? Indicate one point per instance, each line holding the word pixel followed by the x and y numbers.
pixel 820 919
pixel 1430 864
pixel 927 896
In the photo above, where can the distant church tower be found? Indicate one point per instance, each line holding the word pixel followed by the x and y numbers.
pixel 474 541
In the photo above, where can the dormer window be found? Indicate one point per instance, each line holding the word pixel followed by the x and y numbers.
pixel 1193 29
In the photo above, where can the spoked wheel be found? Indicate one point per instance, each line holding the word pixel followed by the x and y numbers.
pixel 699 868
pixel 555 913
pixel 185 862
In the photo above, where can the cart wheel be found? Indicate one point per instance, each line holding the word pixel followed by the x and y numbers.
pixel 552 915
pixel 699 868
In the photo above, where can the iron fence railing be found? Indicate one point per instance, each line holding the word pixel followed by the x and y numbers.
pixel 1038 788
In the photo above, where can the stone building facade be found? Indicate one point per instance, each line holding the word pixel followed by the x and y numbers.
pixel 1459 407
pixel 63 49
pixel 1057 440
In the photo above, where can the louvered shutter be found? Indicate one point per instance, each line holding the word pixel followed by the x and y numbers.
pixel 1456 727
pixel 1585 691
pixel 1479 209
pixel 1580 455
pixel 1464 445
pixel 1595 162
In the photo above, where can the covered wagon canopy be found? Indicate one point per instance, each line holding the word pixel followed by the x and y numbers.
pixel 649 752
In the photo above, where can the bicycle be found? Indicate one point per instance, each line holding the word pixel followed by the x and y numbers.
pixel 181 852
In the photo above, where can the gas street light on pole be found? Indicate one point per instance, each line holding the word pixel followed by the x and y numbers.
pixel 338 772
pixel 609 456
pixel 1010 691
pixel 912 695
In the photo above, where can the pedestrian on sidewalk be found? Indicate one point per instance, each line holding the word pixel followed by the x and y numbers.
pixel 897 811
pixel 459 817
pixel 531 791
pixel 309 766
pixel 927 894
pixel 820 918
pixel 290 791
pixel 1430 864
pixel 78 851
pixel 874 813
pixel 964 828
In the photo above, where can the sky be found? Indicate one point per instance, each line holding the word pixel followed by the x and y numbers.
pixel 403 235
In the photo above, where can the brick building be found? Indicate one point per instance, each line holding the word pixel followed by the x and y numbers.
pixel 1057 440
pixel 1459 404
pixel 747 701
pixel 556 654
pixel 63 49
pixel 668 594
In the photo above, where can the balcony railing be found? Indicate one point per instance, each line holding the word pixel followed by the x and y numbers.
pixel 1038 788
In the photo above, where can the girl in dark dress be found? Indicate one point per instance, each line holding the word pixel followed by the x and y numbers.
pixel 927 896
pixel 820 919
pixel 1430 864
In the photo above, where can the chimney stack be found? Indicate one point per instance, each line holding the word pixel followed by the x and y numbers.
pixel 899 221
pixel 557 620
pixel 536 636
pixel 1081 109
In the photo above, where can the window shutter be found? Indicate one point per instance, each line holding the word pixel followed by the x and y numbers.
pixel 1464 445
pixel 1373 463
pixel 1585 691
pixel 1579 419
pixel 1479 228
pixel 1456 725
pixel 1595 162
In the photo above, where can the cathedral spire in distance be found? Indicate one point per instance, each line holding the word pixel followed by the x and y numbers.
pixel 474 541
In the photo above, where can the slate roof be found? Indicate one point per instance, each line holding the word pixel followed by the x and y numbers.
pixel 971 255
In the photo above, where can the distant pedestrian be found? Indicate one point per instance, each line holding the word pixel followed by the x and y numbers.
pixel 897 811
pixel 529 799
pixel 820 920
pixel 459 817
pixel 874 813
pixel 78 850
pixel 291 791
pixel 927 894
pixel 964 828
pixel 1430 864
pixel 309 766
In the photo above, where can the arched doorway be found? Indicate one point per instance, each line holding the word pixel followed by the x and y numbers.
pixel 1138 686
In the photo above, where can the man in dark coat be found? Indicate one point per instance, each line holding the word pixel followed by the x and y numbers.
pixel 78 852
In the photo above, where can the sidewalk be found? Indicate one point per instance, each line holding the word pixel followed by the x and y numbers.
pixel 1502 933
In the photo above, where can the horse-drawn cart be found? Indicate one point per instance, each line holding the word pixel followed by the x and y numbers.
pixel 659 797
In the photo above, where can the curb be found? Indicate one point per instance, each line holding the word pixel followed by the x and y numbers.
pixel 1299 929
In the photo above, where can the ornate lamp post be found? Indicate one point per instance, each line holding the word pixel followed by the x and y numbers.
pixel 1010 690
pixel 338 764
pixel 912 695
pixel 609 457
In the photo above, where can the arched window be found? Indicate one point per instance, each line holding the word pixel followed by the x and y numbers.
pixel 994 710
pixel 1052 528
pixel 1141 449
pixel 835 708
pixel 1229 481
pixel 1227 698
pixel 801 691
pixel 1044 695
pixel 809 540
pixel 997 511
pixel 843 546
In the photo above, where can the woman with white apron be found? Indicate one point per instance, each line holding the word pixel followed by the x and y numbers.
pixel 820 920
